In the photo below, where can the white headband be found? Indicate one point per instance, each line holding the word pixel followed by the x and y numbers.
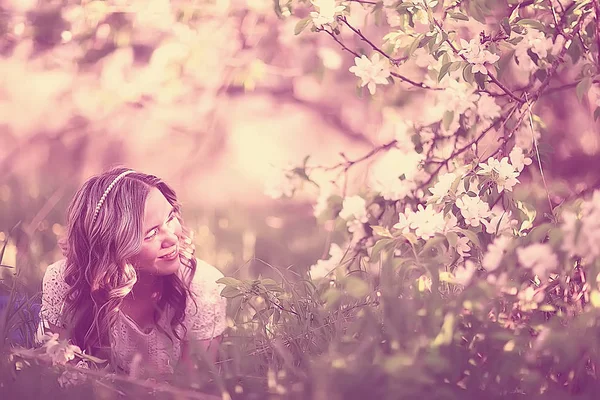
pixel 107 191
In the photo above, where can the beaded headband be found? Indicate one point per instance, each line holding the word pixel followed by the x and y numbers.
pixel 107 191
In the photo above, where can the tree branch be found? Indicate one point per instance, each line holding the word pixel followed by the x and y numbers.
pixel 394 61
pixel 491 76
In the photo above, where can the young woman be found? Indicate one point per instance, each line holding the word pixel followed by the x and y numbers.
pixel 129 288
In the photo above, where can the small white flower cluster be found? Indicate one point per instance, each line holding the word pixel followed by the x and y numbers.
pixel 59 351
pixel 530 298
pixel 477 55
pixel 354 211
pixel 581 229
pixel 372 72
pixel 536 42
pixel 396 173
pixel 495 252
pixel 354 207
pixel 502 172
pixel 327 11
pixel 324 267
pixel 425 222
pixel 474 210
pixel 539 258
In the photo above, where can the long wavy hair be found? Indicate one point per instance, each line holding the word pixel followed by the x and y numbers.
pixel 97 254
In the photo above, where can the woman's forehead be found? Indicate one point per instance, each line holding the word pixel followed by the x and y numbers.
pixel 157 208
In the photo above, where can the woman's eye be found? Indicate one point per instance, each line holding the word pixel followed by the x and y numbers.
pixel 151 234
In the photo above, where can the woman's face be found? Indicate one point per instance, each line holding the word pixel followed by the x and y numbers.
pixel 160 237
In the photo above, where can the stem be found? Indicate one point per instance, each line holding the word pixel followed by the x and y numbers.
pixel 394 61
pixel 597 12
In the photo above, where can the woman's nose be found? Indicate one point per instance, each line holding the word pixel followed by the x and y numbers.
pixel 170 237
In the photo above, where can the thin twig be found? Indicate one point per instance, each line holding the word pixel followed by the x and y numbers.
pixel 539 159
pixel 597 12
pixel 357 31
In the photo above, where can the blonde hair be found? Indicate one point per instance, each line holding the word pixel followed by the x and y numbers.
pixel 99 243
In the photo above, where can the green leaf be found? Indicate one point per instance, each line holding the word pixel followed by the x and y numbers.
pixel 530 214
pixel 472 236
pixel 228 281
pixel 415 45
pixel 505 25
pixel 477 12
pixel 91 358
pixel 452 238
pixel 331 297
pixel 458 16
pixel 583 87
pixel 230 292
pixel 468 73
pixel 514 15
pixel 379 247
pixel 480 79
pixel 532 23
pixel 574 50
pixel 447 119
pixel 381 231
pixel 595 298
pixel 444 70
pixel 446 333
pixel 539 233
pixel 356 287
pixel 301 25
pixel 403 8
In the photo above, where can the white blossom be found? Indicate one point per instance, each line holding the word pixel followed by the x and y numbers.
pixel 330 58
pixel 477 55
pixel 535 41
pixel 425 222
pixel 394 174
pixel 354 207
pixel 473 209
pixel 487 108
pixel 529 298
pixel 443 186
pixel 70 378
pixel 327 9
pixel 464 273
pixel 458 97
pixel 581 231
pixel 501 222
pixel 322 203
pixel 59 351
pixel 372 72
pixel 518 158
pixel 539 258
pixel 495 253
pixel 501 172
pixel 462 246
pixel 323 267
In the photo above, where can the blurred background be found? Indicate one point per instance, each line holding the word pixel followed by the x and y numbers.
pixel 213 96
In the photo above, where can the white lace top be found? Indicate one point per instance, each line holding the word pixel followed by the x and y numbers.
pixel 149 353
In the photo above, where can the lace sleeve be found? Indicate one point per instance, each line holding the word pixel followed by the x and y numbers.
pixel 54 291
pixel 207 320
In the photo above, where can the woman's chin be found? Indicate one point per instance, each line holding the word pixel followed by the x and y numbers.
pixel 167 267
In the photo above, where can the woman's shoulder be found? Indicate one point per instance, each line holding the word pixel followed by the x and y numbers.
pixel 206 274
pixel 55 271
pixel 205 316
